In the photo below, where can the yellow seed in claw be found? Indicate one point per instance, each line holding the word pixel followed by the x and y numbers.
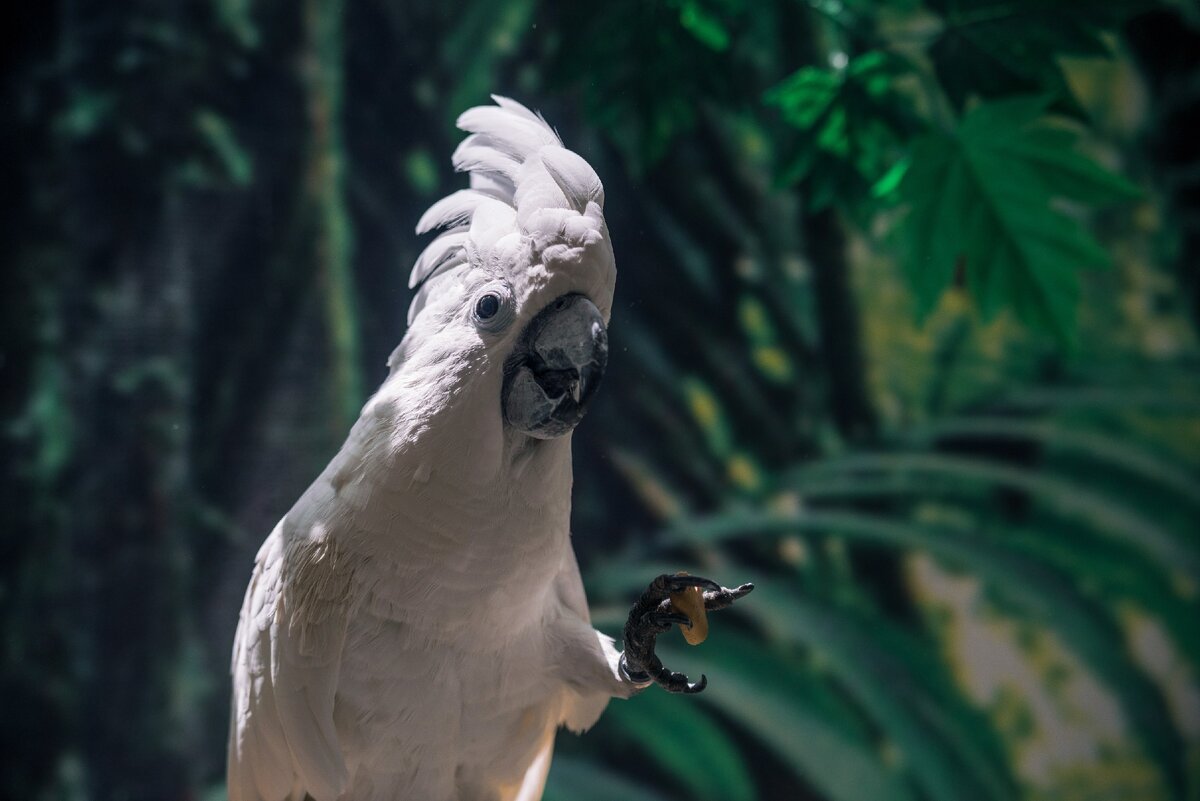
pixel 690 601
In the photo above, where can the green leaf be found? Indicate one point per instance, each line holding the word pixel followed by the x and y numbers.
pixel 662 416
pixel 236 161
pixel 1064 172
pixel 875 474
pixel 1079 399
pixel 935 187
pixel 656 492
pixel 486 34
pixel 238 17
pixel 886 187
pixel 706 411
pixel 643 76
pixel 850 126
pixel 980 201
pixel 672 731
pixel 947 744
pixel 1110 451
pixel 805 96
pixel 1045 594
pixel 85 115
pixel 753 687
pixel 703 24
pixel 1115 573
pixel 46 426
pixel 421 171
pixel 996 48
pixel 689 254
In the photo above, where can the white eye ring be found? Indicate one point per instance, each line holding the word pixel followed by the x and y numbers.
pixel 492 308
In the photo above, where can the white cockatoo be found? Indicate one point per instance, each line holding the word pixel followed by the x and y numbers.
pixel 416 627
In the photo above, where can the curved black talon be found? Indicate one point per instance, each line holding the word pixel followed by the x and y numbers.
pixel 679 683
pixel 653 615
pixel 722 597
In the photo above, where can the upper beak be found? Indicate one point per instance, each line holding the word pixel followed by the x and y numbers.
pixel 555 368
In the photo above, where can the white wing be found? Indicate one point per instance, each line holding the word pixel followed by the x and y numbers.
pixel 286 657
pixel 588 658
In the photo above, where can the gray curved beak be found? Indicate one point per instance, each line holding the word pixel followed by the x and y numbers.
pixel 555 368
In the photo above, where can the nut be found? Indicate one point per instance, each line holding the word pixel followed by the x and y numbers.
pixel 690 601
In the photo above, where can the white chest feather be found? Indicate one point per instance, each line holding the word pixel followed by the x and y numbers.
pixel 446 668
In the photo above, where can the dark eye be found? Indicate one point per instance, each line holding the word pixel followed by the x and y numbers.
pixel 487 306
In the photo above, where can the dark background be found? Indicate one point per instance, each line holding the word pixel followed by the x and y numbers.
pixel 905 331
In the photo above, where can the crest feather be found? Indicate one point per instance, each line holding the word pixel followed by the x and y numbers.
pixel 451 211
pixel 446 248
pixel 518 167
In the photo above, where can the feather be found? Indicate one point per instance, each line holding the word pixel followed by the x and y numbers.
pixel 283 693
pixel 447 247
pixel 495 185
pixel 430 284
pixel 451 211
pixel 537 190
pixel 574 176
pixel 519 109
pixel 491 222
pixel 522 181
pixel 478 153
pixel 511 133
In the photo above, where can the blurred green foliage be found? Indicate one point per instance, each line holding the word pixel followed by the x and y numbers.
pixel 862 357
pixel 980 203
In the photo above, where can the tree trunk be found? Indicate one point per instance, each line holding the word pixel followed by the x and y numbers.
pixel 840 330
pixel 321 75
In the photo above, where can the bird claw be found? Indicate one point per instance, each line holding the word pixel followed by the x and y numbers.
pixel 664 620
pixel 681 581
pixel 723 597
pixel 653 614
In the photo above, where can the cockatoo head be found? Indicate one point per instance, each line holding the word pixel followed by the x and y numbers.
pixel 508 329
